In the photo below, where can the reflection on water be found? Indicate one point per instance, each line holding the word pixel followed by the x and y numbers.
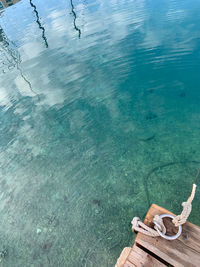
pixel 93 129
pixel 39 23
pixel 74 14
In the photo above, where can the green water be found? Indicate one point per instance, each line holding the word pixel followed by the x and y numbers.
pixel 99 118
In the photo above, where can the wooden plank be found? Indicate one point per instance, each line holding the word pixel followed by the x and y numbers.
pixel 184 251
pixel 123 257
pixel 128 264
pixel 136 257
pixel 140 258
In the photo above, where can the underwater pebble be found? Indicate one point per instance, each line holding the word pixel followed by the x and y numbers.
pixel 39 230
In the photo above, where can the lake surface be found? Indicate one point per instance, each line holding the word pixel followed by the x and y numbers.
pixel 99 118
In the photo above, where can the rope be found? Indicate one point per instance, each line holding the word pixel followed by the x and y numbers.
pixel 139 226
pixel 196 177
pixel 187 208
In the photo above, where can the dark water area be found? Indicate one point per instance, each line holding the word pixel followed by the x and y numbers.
pixel 99 118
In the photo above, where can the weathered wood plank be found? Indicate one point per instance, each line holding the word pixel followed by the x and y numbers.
pixel 140 258
pixel 136 257
pixel 129 264
pixel 184 251
pixel 123 257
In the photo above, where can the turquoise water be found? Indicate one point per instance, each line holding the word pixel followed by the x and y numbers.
pixel 99 118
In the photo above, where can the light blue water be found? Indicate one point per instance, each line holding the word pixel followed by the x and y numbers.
pixel 94 97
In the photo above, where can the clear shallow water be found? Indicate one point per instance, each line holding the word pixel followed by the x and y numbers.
pixel 85 122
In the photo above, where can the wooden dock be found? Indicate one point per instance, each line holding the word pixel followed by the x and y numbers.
pixel 158 252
